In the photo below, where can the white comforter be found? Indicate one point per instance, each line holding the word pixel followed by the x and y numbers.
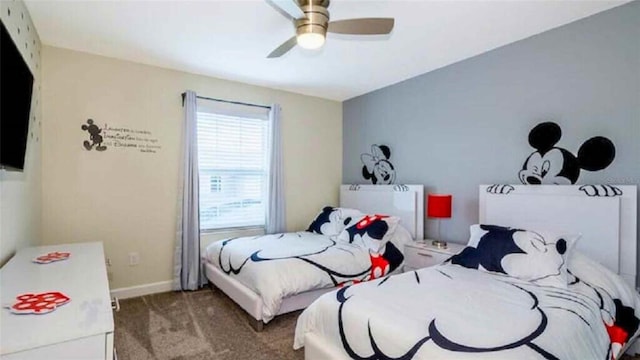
pixel 451 312
pixel 281 265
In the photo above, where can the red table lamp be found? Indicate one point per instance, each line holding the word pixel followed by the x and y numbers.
pixel 439 207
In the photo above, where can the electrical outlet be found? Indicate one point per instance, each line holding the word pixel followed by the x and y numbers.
pixel 108 262
pixel 134 259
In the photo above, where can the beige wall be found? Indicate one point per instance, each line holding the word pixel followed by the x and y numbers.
pixel 127 199
pixel 21 192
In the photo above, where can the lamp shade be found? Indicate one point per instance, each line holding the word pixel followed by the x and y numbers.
pixel 439 206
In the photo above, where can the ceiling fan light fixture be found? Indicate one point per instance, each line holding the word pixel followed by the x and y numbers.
pixel 311 22
pixel 310 40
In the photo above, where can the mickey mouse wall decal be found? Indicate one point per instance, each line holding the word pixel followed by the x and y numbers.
pixel 554 165
pixel 601 190
pixel 377 166
pixel 94 135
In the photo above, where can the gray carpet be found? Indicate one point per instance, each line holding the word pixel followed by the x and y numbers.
pixel 198 325
pixel 201 325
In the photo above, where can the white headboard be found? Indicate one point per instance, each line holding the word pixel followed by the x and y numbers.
pixel 605 215
pixel 403 201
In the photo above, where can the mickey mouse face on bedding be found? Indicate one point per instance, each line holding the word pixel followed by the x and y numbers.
pixel 538 257
pixel 324 221
pixel 331 221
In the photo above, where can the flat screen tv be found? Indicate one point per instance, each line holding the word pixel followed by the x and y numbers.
pixel 16 86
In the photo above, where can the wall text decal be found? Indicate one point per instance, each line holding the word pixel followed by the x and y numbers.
pixel 107 136
pixel 129 138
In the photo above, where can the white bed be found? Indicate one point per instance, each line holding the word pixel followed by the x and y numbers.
pixel 403 201
pixel 606 217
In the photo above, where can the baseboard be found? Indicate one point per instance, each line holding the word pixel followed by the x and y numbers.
pixel 141 290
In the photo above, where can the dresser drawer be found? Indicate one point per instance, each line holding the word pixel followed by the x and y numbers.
pixel 88 348
pixel 418 258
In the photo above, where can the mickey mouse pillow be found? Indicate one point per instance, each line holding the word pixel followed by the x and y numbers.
pixel 536 256
pixel 370 231
pixel 331 221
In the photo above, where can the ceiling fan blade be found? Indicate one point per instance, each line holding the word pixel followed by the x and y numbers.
pixel 364 26
pixel 283 49
pixel 288 8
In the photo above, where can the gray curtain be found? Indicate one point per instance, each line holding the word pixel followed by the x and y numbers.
pixel 188 273
pixel 275 222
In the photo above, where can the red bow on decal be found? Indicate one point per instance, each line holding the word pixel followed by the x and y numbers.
pixel 39 303
pixel 51 257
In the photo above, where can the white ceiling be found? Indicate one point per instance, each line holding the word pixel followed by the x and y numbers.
pixel 231 39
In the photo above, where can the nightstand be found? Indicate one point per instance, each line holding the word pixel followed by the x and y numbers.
pixel 422 254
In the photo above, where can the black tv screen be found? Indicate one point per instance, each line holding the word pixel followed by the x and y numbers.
pixel 16 85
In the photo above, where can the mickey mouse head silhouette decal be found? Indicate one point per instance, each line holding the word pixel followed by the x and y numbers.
pixel 377 166
pixel 550 164
pixel 94 135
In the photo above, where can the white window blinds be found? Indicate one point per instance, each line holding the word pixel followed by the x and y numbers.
pixel 232 157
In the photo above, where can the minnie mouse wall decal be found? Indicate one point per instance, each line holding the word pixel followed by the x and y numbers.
pixel 550 164
pixel 377 166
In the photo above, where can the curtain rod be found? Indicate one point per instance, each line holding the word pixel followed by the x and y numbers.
pixel 227 101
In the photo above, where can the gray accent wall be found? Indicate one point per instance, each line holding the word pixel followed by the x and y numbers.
pixel 468 123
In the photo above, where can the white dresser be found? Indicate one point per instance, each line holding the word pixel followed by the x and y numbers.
pixel 80 329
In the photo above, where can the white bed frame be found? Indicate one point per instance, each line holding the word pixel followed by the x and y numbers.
pixel 605 215
pixel 404 201
pixel 607 222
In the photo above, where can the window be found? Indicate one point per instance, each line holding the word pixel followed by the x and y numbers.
pixel 232 160
pixel 215 183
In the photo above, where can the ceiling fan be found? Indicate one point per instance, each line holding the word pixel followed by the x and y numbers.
pixel 311 20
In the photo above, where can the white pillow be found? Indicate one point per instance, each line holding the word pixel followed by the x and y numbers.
pixel 536 256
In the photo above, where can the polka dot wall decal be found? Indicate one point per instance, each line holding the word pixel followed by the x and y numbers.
pixel 8 12
pixel 18 30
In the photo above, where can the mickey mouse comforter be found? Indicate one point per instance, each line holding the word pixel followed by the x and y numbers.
pixel 453 312
pixel 281 265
